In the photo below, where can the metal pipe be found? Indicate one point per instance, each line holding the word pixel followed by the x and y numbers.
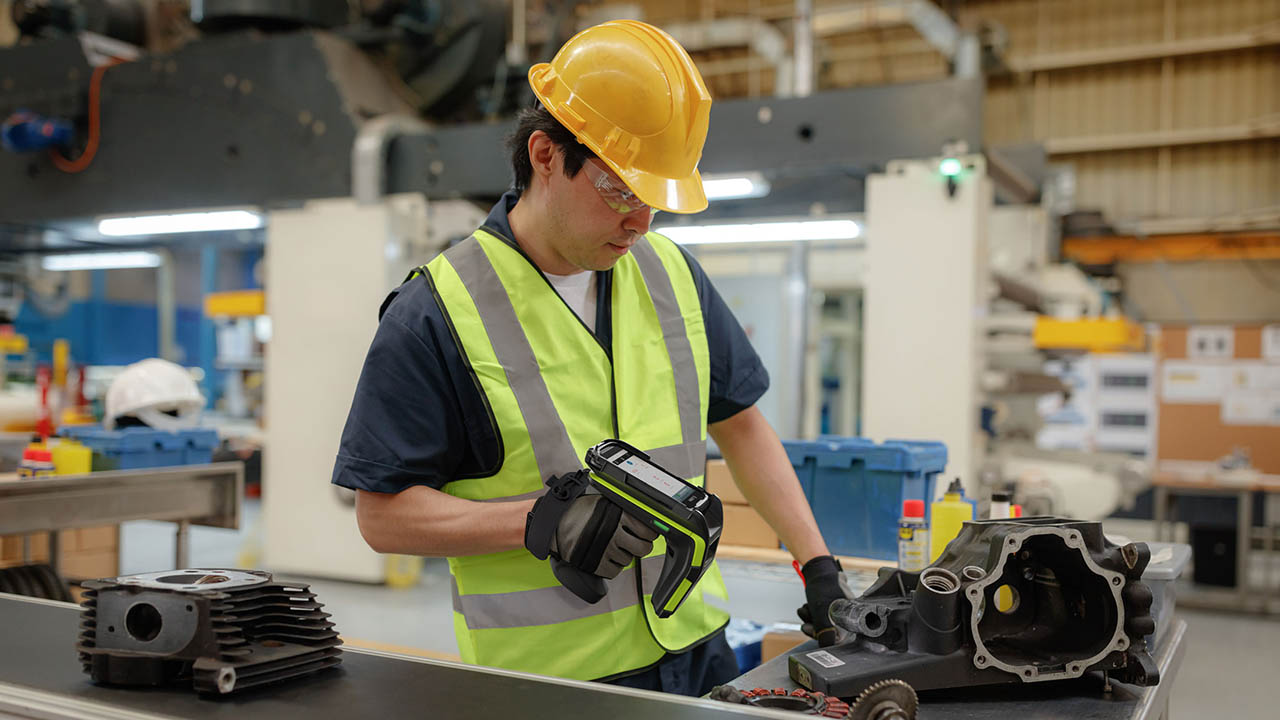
pixel 804 47
pixel 182 552
pixel 54 551
pixel 166 307
pixel 518 50
pixel 797 293
pixel 762 38
pixel 369 154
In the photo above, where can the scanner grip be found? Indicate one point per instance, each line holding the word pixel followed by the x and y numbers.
pixel 590 588
pixel 675 568
pixel 677 565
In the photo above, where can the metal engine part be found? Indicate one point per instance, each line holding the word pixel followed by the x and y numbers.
pixel 802 702
pixel 1027 600
pixel 221 630
pixel 886 700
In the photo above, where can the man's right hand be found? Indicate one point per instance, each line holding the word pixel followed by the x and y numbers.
pixel 595 536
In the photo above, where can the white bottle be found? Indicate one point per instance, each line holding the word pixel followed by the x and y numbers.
pixel 1000 508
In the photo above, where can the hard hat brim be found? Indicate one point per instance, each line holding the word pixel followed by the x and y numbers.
pixel 675 195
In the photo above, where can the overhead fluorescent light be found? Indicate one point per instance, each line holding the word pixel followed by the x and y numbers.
pixel 730 187
pixel 180 223
pixel 101 261
pixel 763 232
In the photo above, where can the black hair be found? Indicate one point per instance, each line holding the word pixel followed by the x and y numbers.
pixel 538 118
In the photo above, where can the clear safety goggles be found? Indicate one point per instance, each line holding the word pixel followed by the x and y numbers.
pixel 616 195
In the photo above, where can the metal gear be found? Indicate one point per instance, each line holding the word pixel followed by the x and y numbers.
pixel 801 702
pixel 885 700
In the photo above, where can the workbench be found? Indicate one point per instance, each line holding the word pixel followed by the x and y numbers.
pixel 1248 596
pixel 40 676
pixel 1080 698
pixel 208 495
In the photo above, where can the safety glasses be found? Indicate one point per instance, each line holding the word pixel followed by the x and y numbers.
pixel 616 195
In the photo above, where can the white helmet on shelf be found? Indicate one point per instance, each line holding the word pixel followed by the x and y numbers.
pixel 160 393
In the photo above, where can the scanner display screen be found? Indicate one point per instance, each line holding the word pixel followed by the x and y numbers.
pixel 657 479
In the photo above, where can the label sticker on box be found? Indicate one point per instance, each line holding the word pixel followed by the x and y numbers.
pixel 825 659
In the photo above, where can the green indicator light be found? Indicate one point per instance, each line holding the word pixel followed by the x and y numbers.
pixel 950 167
pixel 660 526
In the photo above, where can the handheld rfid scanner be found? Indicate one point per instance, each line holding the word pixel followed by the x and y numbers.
pixel 688 517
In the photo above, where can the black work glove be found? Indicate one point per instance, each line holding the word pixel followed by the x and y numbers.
pixel 594 535
pixel 581 529
pixel 823 584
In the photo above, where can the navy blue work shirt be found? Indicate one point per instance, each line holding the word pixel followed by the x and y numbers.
pixel 419 419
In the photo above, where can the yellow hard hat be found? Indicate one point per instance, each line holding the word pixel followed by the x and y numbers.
pixel 631 94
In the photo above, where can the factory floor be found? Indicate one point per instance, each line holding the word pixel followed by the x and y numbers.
pixel 1229 667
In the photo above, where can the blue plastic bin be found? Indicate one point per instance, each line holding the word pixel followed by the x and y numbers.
pixel 856 487
pixel 200 445
pixel 141 447
pixel 745 638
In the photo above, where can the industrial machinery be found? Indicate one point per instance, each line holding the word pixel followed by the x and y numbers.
pixel 1009 601
pixel 220 630
pixel 364 142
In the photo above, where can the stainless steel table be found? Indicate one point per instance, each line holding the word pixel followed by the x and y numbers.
pixel 40 676
pixel 208 495
pixel 1080 698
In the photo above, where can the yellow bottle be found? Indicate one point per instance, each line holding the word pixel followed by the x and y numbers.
pixel 948 515
pixel 71 458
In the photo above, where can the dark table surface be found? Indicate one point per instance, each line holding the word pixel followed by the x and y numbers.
pixel 39 670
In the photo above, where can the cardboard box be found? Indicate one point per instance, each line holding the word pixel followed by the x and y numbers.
pixel 744 526
pixel 720 483
pixel 106 537
pixel 71 542
pixel 91 564
pixel 12 551
pixel 777 643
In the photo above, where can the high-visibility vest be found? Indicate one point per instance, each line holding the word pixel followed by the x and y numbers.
pixel 554 391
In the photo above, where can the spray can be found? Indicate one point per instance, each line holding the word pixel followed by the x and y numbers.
pixel 913 537
pixel 37 462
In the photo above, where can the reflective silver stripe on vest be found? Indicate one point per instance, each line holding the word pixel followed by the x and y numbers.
pixel 687 460
pixel 716 602
pixel 552 449
pixel 552 605
pixel 688 399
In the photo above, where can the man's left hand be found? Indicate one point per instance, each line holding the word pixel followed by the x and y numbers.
pixel 823 585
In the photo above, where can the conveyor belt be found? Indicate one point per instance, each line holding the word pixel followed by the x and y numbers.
pixel 39 669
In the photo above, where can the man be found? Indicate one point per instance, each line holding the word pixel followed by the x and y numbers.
pixel 558 324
